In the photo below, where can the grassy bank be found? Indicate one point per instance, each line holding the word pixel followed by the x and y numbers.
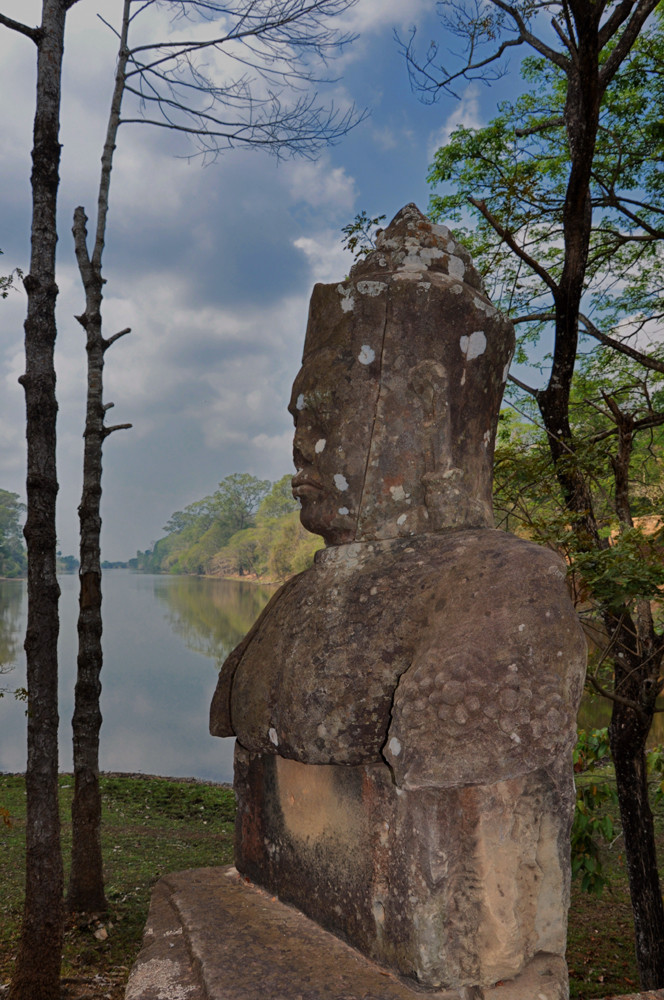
pixel 151 826
pixel 156 825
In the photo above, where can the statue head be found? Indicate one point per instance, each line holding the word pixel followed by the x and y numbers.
pixel 397 400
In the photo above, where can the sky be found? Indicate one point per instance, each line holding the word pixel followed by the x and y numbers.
pixel 211 266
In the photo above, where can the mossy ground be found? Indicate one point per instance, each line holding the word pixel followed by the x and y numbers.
pixel 152 826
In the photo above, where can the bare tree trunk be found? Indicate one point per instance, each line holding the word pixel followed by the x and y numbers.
pixel 86 880
pixel 37 970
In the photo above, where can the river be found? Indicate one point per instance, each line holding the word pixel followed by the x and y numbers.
pixel 165 638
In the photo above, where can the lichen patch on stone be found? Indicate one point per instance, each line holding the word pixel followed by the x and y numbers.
pixel 474 345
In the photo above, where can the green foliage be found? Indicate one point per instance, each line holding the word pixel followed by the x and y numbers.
pixel 655 764
pixel 593 823
pixel 248 527
pixel 516 170
pixel 12 548
pixel 7 281
pixel 360 234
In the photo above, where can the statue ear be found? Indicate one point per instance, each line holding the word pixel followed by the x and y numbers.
pixel 428 380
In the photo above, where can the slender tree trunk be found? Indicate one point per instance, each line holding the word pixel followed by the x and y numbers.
pixel 627 735
pixel 86 881
pixel 37 971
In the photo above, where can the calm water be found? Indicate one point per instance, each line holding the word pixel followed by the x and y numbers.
pixel 164 641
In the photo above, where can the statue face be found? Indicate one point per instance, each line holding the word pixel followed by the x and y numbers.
pixel 332 404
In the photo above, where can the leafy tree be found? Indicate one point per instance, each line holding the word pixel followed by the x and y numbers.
pixel 279 502
pixel 12 548
pixel 238 498
pixel 565 188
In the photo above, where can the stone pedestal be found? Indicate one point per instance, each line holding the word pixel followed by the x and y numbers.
pixel 449 887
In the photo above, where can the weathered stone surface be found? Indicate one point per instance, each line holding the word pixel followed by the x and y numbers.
pixel 452 887
pixel 451 656
pixel 405 710
pixel 397 401
pixel 246 945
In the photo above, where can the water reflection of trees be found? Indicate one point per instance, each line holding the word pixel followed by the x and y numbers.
pixel 11 607
pixel 212 616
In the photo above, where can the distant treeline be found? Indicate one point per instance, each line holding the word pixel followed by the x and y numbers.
pixel 247 527
pixel 13 556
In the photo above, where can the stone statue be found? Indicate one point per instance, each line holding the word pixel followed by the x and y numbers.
pixel 405 709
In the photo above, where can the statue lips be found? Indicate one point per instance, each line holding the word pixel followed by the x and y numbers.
pixel 304 485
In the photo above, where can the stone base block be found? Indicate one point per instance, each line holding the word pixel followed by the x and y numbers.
pixel 211 935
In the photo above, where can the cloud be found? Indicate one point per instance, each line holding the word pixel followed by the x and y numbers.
pixel 319 184
pixel 327 259
pixel 466 112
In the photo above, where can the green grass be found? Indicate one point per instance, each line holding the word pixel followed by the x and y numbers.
pixel 152 826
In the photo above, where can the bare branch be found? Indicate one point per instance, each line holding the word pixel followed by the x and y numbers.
pixel 644 359
pixel 34 33
pixel 116 427
pixel 523 386
pixel 617 697
pixel 116 336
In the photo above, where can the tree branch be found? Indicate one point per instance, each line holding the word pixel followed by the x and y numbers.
pixel 116 427
pixel 507 237
pixel 616 697
pixel 106 343
pixel 652 363
pixel 34 33
pixel 523 386
pixel 622 47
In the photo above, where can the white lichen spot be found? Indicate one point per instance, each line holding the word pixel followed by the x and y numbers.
pixel 343 511
pixel 506 370
pixel 438 230
pixel 371 287
pixel 321 730
pixel 300 404
pixel 398 492
pixel 373 591
pixel 340 482
pixel 514 738
pixel 559 653
pixel 486 438
pixel 463 378
pixel 366 355
pixel 319 446
pixel 456 267
pixel 521 628
pixel 401 519
pixel 474 345
pixel 274 739
pixel 513 668
pixel 347 300
pixel 394 746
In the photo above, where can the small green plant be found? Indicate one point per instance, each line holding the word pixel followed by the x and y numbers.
pixel 592 823
pixel 655 764
pixel 360 234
